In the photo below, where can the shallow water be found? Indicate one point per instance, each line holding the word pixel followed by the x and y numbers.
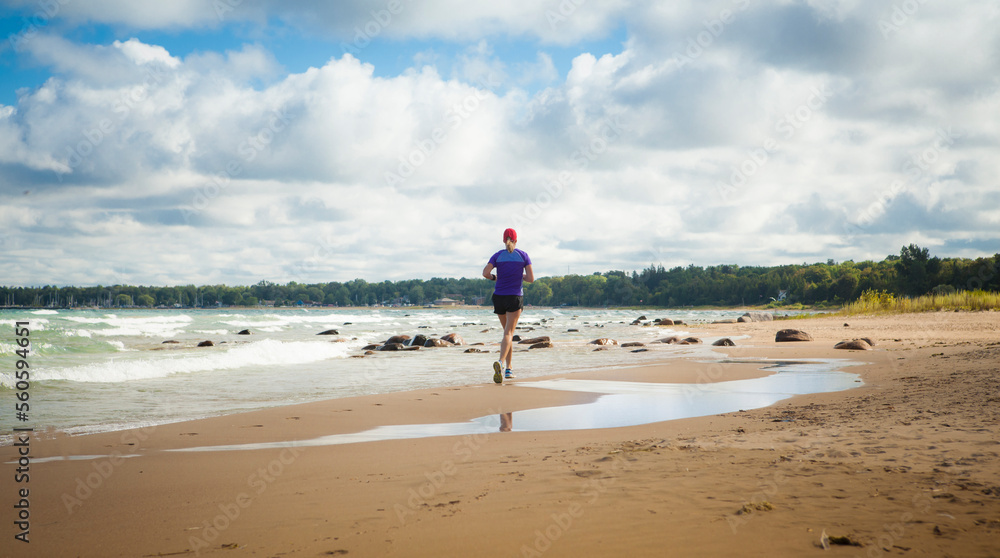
pixel 621 404
pixel 103 370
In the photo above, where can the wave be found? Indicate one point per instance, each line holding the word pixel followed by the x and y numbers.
pixel 284 320
pixel 113 319
pixel 37 348
pixel 117 345
pixel 44 312
pixel 78 333
pixel 145 326
pixel 267 352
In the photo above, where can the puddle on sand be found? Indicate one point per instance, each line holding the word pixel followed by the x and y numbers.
pixel 622 404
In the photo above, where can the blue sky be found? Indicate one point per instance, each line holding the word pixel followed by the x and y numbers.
pixel 294 48
pixel 175 143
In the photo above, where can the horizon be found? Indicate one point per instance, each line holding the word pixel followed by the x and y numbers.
pixel 889 257
pixel 316 142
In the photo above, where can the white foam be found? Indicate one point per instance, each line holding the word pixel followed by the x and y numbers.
pixel 78 333
pixel 116 344
pixel 143 326
pixel 260 353
pixel 282 320
pixel 44 312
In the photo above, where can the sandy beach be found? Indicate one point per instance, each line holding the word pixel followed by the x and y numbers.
pixel 908 464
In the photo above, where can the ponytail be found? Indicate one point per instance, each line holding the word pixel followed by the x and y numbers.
pixel 510 245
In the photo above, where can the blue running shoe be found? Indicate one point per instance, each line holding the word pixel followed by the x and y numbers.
pixel 497 375
pixel 508 375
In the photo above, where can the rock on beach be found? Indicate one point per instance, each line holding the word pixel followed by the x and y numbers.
pixel 756 316
pixel 791 335
pixel 854 345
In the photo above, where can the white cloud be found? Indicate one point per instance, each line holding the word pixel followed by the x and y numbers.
pixel 557 21
pixel 242 171
pixel 144 54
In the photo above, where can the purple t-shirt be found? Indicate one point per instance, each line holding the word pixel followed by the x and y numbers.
pixel 510 271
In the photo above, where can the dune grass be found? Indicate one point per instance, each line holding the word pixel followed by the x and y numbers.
pixel 881 302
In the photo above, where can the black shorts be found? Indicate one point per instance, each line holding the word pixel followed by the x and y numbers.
pixel 507 303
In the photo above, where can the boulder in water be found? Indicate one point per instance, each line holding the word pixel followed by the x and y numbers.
pixel 454 339
pixel 669 340
pixel 418 340
pixel 397 339
pixel 533 340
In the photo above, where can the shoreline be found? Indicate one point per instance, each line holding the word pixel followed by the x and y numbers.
pixel 747 308
pixel 591 491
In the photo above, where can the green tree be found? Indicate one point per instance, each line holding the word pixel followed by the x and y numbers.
pixel 416 294
pixel 845 287
pixel 343 296
pixel 916 270
pixel 230 296
pixel 538 293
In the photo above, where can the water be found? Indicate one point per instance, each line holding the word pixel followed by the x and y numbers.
pixel 102 370
pixel 621 404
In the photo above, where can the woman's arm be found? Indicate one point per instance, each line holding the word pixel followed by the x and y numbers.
pixel 529 275
pixel 488 272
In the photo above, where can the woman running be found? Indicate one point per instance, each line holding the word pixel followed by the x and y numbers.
pixel 512 268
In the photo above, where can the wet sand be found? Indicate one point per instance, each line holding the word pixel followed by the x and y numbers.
pixel 906 465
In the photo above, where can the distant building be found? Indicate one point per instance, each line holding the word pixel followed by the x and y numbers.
pixel 447 302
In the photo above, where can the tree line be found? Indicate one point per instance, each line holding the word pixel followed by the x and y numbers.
pixel 911 273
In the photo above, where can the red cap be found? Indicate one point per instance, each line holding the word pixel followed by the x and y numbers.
pixel 511 234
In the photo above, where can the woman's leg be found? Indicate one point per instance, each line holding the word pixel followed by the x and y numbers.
pixel 503 338
pixel 509 322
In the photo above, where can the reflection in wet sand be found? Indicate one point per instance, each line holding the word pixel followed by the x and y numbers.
pixel 506 422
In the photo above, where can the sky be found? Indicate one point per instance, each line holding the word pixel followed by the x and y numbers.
pixel 234 141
